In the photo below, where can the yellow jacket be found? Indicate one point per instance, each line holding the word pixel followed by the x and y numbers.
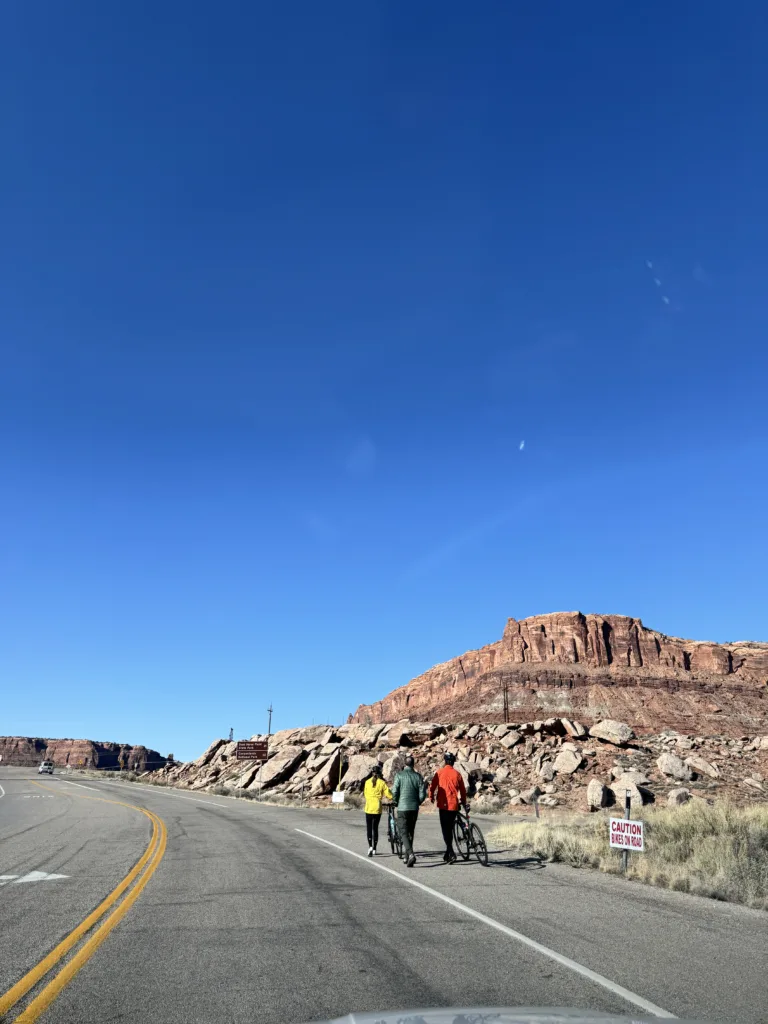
pixel 374 792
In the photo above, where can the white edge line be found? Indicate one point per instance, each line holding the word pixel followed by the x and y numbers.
pixel 598 979
pixel 2 791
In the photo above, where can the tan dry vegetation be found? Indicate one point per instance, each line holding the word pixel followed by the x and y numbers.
pixel 717 850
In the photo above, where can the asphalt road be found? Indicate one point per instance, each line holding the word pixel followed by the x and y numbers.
pixel 251 915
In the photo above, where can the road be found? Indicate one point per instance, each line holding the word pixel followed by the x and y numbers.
pixel 254 912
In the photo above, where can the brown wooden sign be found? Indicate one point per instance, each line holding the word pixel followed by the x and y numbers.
pixel 251 750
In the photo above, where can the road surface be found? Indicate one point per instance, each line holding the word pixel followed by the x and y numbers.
pixel 252 912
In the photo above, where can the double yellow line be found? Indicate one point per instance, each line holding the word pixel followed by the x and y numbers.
pixel 142 871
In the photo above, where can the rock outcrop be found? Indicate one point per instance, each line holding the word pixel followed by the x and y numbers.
pixel 591 667
pixel 545 761
pixel 28 750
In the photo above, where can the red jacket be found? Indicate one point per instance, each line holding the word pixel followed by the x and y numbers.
pixel 450 789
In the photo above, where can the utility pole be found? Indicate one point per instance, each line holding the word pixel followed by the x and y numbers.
pixel 505 694
pixel 269 727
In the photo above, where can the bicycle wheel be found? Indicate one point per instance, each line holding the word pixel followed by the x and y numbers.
pixel 478 844
pixel 461 839
pixel 391 832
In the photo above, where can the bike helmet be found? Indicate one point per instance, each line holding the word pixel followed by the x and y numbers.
pixel 449 758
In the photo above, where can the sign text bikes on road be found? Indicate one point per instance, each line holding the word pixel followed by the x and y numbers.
pixel 627 834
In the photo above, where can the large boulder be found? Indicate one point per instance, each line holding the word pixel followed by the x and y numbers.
pixel 567 762
pixel 597 795
pixel 510 739
pixel 327 776
pixel 634 777
pixel 359 768
pixel 364 736
pixel 610 731
pixel 702 766
pixel 637 795
pixel 671 765
pixel 277 769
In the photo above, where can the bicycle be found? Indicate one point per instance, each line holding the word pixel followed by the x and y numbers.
pixel 469 839
pixel 393 832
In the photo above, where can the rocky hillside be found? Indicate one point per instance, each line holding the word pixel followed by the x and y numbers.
pixel 28 750
pixel 592 667
pixel 558 761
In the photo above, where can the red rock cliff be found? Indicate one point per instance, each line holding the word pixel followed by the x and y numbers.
pixel 78 753
pixel 591 667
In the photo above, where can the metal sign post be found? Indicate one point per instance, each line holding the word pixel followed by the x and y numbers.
pixel 627 812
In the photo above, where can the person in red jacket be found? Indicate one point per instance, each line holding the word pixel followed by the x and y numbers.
pixel 448 791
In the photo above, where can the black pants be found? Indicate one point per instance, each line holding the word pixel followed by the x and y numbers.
pixel 447 821
pixel 406 824
pixel 372 828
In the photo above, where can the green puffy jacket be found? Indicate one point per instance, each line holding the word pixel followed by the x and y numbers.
pixel 409 790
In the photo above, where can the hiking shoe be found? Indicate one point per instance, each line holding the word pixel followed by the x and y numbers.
pixel 445 858
pixel 373 852
pixel 452 859
pixel 370 851
pixel 411 861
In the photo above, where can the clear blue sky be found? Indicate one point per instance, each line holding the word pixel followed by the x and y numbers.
pixel 283 289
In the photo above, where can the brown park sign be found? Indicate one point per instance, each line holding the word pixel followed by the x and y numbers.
pixel 251 750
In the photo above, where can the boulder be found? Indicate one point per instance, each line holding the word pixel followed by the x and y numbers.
pixel 574 729
pixel 411 734
pixel 359 768
pixel 610 731
pixel 473 731
pixel 548 801
pixel 637 795
pixel 678 797
pixel 277 769
pixel 511 739
pixel 327 777
pixel 753 784
pixel 391 767
pixel 567 762
pixel 764 743
pixel 671 765
pixel 597 795
pixel 634 777
pixel 530 795
pixel 500 730
pixel 547 771
pixel 703 767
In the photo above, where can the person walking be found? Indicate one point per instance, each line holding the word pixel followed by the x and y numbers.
pixel 374 791
pixel 447 789
pixel 408 793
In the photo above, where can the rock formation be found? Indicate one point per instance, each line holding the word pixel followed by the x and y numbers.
pixel 591 667
pixel 28 750
pixel 554 761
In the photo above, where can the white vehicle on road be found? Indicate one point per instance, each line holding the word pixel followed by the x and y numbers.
pixel 46 768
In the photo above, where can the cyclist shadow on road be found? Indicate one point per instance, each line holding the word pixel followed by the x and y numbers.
pixel 424 860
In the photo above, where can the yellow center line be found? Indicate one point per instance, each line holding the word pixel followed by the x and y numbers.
pixel 152 857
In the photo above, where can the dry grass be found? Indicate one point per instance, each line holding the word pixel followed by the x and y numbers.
pixel 718 850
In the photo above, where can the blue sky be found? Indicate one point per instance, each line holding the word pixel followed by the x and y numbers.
pixel 283 289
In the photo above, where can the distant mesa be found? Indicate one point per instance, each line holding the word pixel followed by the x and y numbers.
pixel 30 750
pixel 591 667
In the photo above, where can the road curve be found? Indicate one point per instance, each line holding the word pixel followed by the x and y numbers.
pixel 251 916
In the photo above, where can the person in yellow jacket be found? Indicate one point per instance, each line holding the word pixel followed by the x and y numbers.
pixel 374 791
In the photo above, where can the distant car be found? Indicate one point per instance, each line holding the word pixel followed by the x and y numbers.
pixel 46 768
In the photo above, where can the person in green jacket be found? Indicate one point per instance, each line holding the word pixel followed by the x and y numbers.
pixel 408 793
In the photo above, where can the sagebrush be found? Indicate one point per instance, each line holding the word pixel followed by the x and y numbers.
pixel 717 850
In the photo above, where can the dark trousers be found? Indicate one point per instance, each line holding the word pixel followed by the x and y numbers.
pixel 406 824
pixel 372 828
pixel 447 821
